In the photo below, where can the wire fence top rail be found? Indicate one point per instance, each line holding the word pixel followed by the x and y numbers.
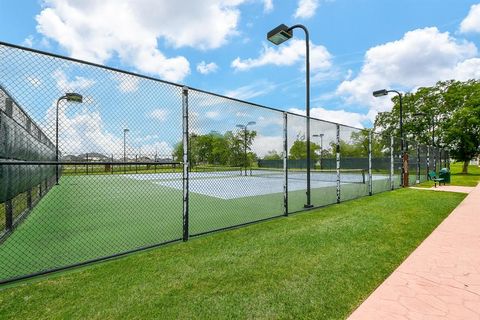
pixel 46 53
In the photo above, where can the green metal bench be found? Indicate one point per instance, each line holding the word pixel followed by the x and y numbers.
pixel 433 176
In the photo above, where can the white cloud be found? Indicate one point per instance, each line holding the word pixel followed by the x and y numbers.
pixel 127 83
pixel 34 81
pixel 129 29
pixel 159 114
pixel 421 58
pixel 339 116
pixel 65 84
pixel 251 91
pixel 263 144
pixel 471 23
pixel 306 9
pixel 212 114
pixel 267 5
pixel 206 68
pixel 28 42
pixel 292 52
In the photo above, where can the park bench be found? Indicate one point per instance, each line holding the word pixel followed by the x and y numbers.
pixel 433 176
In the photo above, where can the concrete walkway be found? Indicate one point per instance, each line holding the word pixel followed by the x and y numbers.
pixel 440 279
pixel 448 188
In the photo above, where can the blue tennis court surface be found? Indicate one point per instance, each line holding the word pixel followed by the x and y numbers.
pixel 230 185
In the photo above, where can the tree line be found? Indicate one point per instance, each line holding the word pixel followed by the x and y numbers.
pixel 450 110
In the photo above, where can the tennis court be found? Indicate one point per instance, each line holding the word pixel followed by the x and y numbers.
pixel 76 222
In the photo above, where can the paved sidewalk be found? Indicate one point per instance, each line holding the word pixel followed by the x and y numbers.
pixel 440 279
pixel 448 188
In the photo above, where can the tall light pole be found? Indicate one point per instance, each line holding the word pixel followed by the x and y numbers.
pixel 277 36
pixel 70 97
pixel 244 127
pixel 321 147
pixel 125 149
pixel 384 92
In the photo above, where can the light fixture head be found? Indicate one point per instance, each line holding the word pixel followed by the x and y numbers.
pixel 240 126
pixel 279 35
pixel 251 123
pixel 380 93
pixel 126 130
pixel 74 97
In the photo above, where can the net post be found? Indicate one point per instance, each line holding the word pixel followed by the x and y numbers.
pixel 338 163
pixel 185 163
pixel 370 183
pixel 392 182
pixel 285 164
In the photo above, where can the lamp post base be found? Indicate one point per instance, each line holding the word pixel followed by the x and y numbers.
pixel 307 206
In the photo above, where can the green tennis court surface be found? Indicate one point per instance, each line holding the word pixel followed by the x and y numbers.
pixel 88 217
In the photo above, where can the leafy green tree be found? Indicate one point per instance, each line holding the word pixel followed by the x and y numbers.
pixel 453 107
pixel 298 150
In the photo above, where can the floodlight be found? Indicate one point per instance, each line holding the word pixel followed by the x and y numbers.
pixel 279 35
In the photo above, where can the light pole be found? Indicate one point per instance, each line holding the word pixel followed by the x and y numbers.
pixel 384 92
pixel 125 149
pixel 244 127
pixel 70 97
pixel 321 147
pixel 277 36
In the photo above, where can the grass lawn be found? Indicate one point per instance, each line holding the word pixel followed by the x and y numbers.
pixel 471 179
pixel 317 265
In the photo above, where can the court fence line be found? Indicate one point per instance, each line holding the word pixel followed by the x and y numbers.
pixel 145 162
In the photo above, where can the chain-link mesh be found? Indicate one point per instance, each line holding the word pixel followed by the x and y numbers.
pixel 424 163
pixel 381 162
pixel 108 199
pixel 96 162
pixel 397 162
pixel 411 148
pixel 323 137
pixel 354 149
pixel 229 183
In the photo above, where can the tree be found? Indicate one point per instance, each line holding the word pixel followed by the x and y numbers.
pixel 215 148
pixel 452 105
pixel 298 150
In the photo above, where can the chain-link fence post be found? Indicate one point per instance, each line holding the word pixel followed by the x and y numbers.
pixel 8 214
pixel 185 162
pixel 285 164
pixel 418 163
pixel 370 183
pixel 338 163
pixel 448 159
pixel 392 183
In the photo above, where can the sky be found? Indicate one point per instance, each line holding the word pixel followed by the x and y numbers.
pixel 220 46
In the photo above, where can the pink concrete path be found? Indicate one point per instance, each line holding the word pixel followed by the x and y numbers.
pixel 440 279
pixel 448 188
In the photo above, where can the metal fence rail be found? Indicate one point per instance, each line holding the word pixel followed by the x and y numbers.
pixel 145 162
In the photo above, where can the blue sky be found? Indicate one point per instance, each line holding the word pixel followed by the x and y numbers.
pixel 220 46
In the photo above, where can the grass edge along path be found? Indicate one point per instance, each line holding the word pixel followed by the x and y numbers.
pixel 320 264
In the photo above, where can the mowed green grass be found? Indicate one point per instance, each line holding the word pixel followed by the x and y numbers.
pixel 318 265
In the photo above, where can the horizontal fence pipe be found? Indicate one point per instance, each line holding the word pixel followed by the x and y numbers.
pixel 25 163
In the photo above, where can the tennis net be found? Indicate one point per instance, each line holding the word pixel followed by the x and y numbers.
pixel 346 175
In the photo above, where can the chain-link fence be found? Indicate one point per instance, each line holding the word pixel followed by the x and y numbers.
pixel 97 162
